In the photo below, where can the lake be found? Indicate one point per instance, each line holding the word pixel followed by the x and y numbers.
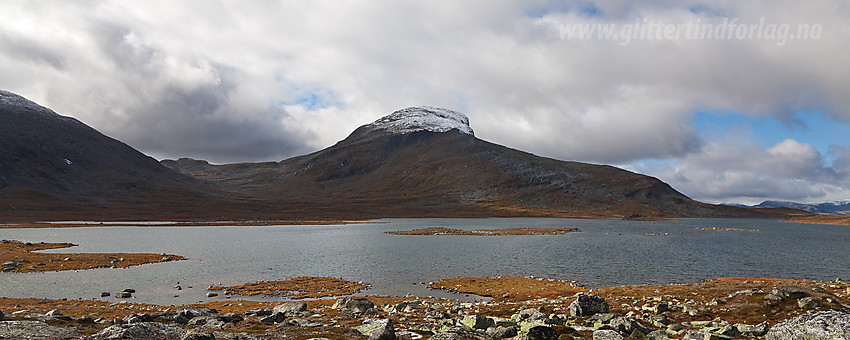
pixel 604 253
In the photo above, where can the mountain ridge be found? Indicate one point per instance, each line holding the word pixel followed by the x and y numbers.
pixel 831 208
pixel 415 162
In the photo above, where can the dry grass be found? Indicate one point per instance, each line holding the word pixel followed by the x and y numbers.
pixel 30 261
pixel 486 232
pixel 298 288
pixel 821 219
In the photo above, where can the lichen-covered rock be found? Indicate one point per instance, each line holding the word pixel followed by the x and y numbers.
pixel 606 334
pixel 501 332
pixel 752 330
pixel 195 335
pixel 477 322
pixel 377 329
pixel 587 304
pixel 142 330
pixel 807 303
pixel 831 325
pixel 461 333
pixel 34 330
pixel 355 305
pixel 274 318
pixel 290 308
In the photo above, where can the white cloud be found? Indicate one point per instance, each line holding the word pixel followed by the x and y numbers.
pixel 227 80
pixel 726 172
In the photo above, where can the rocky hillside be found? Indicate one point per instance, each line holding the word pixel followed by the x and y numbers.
pixel 50 162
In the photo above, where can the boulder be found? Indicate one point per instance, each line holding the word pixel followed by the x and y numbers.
pixel 258 312
pixel 587 304
pixel 2 316
pixel 135 318
pixel 9 266
pixel 290 308
pixel 541 333
pixel 606 334
pixel 195 335
pixel 751 330
pixel 377 329
pixel 274 318
pixel 123 295
pixel 355 305
pixel 789 292
pixel 807 303
pixel 25 330
pixel 501 332
pixel 461 333
pixel 831 324
pixel 54 312
pixel 477 322
pixel 143 330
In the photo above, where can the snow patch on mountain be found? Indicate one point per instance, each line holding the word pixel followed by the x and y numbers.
pixel 422 118
pixel 12 100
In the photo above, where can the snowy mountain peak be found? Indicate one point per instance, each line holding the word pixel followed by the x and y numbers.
pixel 422 118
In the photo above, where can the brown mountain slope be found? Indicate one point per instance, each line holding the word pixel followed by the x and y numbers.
pixel 51 165
pixel 451 173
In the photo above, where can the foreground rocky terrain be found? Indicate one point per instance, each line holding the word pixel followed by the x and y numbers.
pixel 545 309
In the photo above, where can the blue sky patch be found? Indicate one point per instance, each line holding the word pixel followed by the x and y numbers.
pixel 810 127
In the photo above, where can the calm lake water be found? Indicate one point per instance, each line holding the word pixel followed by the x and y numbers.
pixel 604 253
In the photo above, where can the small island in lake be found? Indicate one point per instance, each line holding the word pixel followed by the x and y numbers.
pixel 485 232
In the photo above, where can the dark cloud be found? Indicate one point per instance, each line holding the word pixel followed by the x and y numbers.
pixel 26 49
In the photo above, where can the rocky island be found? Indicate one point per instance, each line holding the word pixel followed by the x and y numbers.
pixel 485 232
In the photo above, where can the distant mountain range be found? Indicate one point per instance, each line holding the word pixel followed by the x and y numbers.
pixel 415 162
pixel 834 208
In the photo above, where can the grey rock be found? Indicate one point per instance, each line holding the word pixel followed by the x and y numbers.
pixel 606 334
pixel 195 335
pixel 461 333
pixel 274 318
pixel 377 329
pixel 789 292
pixel 212 294
pixel 136 318
pixel 586 305
pixel 657 335
pixel 2 316
pixel 502 332
pixel 541 333
pixel 104 294
pixel 290 308
pixel 143 330
pixel 258 312
pixel 807 303
pixel 54 312
pixel 703 335
pixel 355 305
pixel 192 312
pixel 123 295
pixel 752 330
pixel 831 324
pixel 605 317
pixel 35 330
pixel 477 322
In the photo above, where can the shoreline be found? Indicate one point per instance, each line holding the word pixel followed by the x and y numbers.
pixel 672 309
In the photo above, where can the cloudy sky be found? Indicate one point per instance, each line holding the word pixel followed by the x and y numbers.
pixel 726 100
